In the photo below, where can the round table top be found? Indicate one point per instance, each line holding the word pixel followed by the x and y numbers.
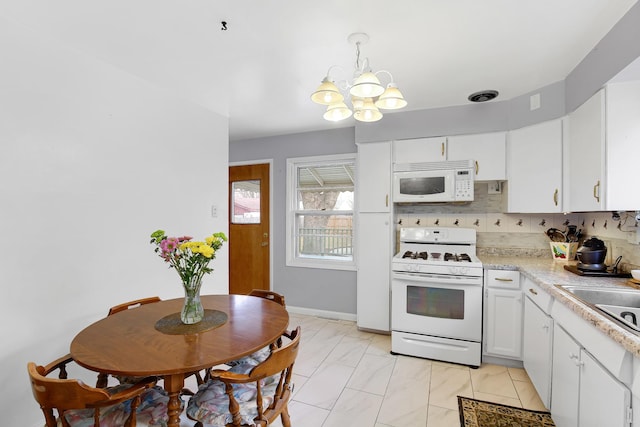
pixel 128 342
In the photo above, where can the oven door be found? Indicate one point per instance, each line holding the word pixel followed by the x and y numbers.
pixel 437 305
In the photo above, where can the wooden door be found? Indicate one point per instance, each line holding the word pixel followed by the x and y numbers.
pixel 249 234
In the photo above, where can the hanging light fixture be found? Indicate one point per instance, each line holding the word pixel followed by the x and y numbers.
pixel 367 94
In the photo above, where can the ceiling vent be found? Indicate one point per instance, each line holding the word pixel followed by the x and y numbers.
pixel 483 96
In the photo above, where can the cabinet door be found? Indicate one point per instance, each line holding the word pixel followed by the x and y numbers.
pixel 623 145
pixel 503 322
pixel 586 155
pixel 373 271
pixel 374 177
pixel 604 401
pixel 565 380
pixel 534 164
pixel 537 345
pixel 420 150
pixel 488 150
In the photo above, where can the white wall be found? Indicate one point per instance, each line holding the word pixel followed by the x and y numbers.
pixel 92 160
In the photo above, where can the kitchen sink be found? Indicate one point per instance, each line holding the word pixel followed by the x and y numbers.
pixel 623 305
pixel 608 296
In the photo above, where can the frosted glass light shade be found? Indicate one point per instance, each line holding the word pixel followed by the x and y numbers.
pixel 336 112
pixel 368 112
pixel 391 99
pixel 366 85
pixel 327 93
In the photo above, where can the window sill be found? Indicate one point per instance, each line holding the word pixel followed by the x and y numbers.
pixel 322 264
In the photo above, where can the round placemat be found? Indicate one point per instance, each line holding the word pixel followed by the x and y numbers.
pixel 172 325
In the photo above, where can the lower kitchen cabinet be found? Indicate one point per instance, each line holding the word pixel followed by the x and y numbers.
pixel 503 314
pixel 584 393
pixel 537 343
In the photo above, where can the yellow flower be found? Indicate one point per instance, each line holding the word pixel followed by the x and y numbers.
pixel 190 245
pixel 205 250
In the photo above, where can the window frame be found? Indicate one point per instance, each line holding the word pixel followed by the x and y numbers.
pixel 292 258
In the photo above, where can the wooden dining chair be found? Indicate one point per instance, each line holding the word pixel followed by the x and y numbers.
pixel 262 354
pixel 241 397
pixel 132 304
pixel 70 402
pixel 270 295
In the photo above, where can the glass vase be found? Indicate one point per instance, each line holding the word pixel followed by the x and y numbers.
pixel 192 310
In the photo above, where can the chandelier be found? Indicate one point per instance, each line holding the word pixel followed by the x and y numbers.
pixel 367 95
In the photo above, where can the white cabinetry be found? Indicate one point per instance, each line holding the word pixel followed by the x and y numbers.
pixel 373 280
pixel 373 172
pixel 488 150
pixel 373 236
pixel 538 339
pixel 604 145
pixel 622 145
pixel 534 163
pixel 503 314
pixel 586 155
pixel 584 393
pixel 420 150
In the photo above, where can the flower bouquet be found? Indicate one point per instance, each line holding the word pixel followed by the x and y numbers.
pixel 191 260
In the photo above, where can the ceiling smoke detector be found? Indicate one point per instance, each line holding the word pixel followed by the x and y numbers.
pixel 483 96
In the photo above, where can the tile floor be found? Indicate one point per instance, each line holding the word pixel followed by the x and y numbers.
pixel 346 377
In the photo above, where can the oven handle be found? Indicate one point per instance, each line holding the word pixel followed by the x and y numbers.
pixel 438 278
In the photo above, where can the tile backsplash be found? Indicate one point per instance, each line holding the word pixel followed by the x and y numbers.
pixel 523 234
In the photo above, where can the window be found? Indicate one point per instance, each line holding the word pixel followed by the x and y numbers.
pixel 320 214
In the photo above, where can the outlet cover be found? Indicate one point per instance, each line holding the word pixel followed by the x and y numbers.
pixel 495 187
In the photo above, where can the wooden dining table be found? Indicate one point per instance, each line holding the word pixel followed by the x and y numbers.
pixel 150 340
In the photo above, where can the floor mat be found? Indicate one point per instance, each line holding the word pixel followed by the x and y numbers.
pixel 478 413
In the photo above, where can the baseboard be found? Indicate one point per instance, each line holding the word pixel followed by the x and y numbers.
pixel 334 315
pixel 502 361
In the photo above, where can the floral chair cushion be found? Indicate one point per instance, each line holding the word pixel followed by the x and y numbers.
pixel 152 410
pixel 253 359
pixel 210 404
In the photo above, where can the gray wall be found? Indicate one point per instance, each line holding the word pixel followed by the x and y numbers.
pixel 335 290
pixel 616 50
pixel 331 290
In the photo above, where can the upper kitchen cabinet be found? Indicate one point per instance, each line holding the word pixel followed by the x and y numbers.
pixel 604 145
pixel 420 150
pixel 488 150
pixel 622 146
pixel 534 159
pixel 586 155
pixel 374 177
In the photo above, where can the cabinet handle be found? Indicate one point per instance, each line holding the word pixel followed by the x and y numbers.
pixel 596 191
pixel 500 279
pixel 442 149
pixel 555 197
pixel 533 291
pixel 386 201
pixel 477 167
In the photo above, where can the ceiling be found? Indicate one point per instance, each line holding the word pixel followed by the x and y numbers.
pixel 261 70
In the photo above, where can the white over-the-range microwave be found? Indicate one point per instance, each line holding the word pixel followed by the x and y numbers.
pixel 448 181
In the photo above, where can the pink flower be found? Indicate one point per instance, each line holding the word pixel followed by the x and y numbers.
pixel 184 239
pixel 169 245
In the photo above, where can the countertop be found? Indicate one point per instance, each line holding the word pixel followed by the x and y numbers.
pixel 547 273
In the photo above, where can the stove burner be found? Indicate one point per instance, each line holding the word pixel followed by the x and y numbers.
pixel 455 257
pixel 415 255
pixel 464 257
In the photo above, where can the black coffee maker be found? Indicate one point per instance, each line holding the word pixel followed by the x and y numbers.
pixel 591 255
